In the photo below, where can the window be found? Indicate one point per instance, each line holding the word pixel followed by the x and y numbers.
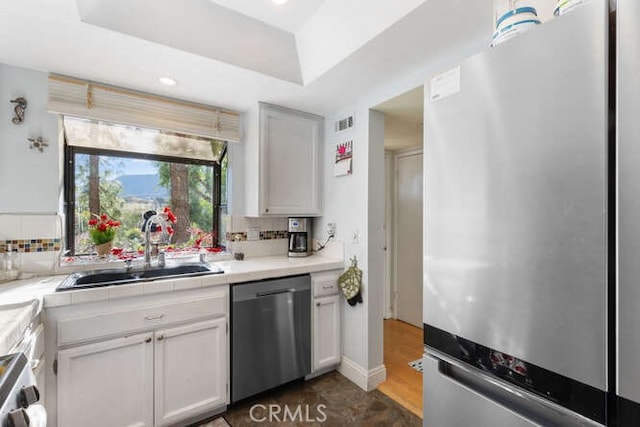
pixel 123 171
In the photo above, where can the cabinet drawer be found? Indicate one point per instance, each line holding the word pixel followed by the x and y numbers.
pixel 325 283
pixel 94 326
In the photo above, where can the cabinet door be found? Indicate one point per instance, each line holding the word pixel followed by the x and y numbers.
pixel 326 332
pixel 190 370
pixel 289 157
pixel 108 384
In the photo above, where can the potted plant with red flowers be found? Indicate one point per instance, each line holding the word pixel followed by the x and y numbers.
pixel 102 231
pixel 170 218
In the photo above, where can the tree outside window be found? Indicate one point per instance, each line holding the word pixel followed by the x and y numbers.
pixel 124 184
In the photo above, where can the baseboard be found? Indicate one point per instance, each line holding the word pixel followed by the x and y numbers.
pixel 199 419
pixel 376 376
pixel 366 380
pixel 320 372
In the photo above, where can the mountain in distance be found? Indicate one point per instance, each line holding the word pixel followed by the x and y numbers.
pixel 144 186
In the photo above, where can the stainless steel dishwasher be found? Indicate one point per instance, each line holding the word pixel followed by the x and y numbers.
pixel 270 334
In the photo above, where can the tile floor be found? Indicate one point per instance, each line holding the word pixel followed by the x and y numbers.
pixel 345 404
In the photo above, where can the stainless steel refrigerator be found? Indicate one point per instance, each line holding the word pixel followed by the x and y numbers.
pixel 516 235
pixel 627 325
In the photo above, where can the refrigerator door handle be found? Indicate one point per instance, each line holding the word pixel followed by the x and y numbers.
pixel 527 405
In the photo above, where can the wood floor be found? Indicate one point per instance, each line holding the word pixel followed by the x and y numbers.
pixel 402 344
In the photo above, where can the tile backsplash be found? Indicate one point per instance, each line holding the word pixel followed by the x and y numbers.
pixel 269 236
pixel 31 245
pixel 36 240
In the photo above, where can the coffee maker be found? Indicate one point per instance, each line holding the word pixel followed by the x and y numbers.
pixel 299 237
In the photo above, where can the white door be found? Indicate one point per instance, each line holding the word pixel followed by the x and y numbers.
pixel 191 370
pixel 408 240
pixel 326 331
pixel 108 384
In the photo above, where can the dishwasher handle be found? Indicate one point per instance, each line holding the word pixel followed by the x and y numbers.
pixel 281 291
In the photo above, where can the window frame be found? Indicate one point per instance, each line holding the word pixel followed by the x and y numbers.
pixel 70 194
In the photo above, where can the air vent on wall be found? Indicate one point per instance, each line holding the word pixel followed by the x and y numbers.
pixel 344 124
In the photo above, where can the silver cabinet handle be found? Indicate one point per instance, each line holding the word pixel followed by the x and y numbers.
pixel 161 337
pixel 154 317
pixel 328 287
pixel 318 304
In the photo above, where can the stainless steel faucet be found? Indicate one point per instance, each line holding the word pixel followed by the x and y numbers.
pixel 154 219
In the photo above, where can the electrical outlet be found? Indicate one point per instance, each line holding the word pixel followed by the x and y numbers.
pixel 331 229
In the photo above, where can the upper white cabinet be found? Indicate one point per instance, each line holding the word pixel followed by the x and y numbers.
pixel 282 162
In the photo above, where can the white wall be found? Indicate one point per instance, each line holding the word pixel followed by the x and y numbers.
pixel 345 204
pixel 340 27
pixel 29 180
pixel 356 202
pixel 376 238
pixel 389 171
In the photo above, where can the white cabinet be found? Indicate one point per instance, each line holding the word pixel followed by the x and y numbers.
pixel 326 332
pixel 282 162
pixel 152 360
pixel 327 302
pixel 190 370
pixel 109 383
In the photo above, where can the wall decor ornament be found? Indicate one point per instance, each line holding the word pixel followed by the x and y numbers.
pixel 21 106
pixel 37 143
pixel 344 158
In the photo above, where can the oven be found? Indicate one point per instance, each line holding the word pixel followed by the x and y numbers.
pixel 20 404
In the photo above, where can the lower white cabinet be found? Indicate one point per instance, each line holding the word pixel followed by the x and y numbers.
pixel 326 332
pixel 109 383
pixel 190 370
pixel 174 374
pixel 326 309
pixel 167 365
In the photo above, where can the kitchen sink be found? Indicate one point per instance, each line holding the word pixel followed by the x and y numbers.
pixel 99 278
pixel 178 270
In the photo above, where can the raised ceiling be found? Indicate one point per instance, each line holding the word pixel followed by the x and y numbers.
pixel 289 17
pixel 203 28
pixel 346 48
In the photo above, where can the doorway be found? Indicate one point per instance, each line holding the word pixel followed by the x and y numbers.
pixel 403 344
pixel 408 237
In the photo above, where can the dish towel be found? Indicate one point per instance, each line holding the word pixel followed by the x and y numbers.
pixel 350 282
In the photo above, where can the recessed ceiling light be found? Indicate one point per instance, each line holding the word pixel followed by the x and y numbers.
pixel 167 81
pixel 279 2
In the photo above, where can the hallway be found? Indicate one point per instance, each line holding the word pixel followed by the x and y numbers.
pixel 402 344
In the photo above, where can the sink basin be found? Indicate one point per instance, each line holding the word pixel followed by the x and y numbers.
pixel 178 270
pixel 104 276
pixel 99 278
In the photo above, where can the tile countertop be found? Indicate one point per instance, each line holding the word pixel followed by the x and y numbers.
pixel 21 301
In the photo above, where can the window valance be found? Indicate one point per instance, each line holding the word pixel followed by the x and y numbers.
pixel 82 98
